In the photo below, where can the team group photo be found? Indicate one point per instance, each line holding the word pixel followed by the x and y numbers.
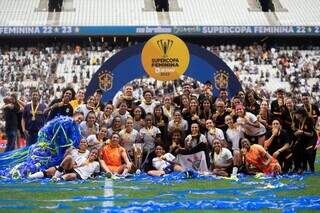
pixel 136 107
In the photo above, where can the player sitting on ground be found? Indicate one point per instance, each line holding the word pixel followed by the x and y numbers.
pixel 255 155
pixel 86 169
pixel 73 157
pixel 221 159
pixel 164 163
pixel 112 155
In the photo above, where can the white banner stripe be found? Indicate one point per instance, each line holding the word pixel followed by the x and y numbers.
pixel 108 192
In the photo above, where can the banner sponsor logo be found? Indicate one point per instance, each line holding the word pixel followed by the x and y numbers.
pixel 151 30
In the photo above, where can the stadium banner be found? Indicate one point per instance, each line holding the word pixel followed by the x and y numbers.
pixel 152 30
pixel 164 57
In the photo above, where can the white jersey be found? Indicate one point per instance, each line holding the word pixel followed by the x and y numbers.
pixel 83 108
pixel 123 117
pixel 195 140
pixel 85 131
pixel 234 136
pixel 168 113
pixel 222 158
pixel 250 129
pixel 93 142
pixel 79 157
pixel 149 108
pixel 215 133
pixel 87 170
pixel 160 164
pixel 149 137
pixel 128 139
pixel 183 125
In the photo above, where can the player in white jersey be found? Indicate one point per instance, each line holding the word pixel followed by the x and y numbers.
pixel 86 169
pixel 73 157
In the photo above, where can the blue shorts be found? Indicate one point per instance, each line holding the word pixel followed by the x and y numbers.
pixel 168 169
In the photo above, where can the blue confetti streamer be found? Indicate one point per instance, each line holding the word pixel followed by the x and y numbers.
pixel 53 140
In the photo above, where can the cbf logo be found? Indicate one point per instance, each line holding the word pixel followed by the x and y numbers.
pixel 105 80
pixel 165 46
pixel 221 79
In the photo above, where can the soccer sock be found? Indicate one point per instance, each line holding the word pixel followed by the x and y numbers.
pixel 58 174
pixel 235 170
pixel 37 175
pixel 60 169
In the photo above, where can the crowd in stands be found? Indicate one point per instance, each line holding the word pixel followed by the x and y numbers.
pixel 49 68
pixel 52 67
pixel 144 128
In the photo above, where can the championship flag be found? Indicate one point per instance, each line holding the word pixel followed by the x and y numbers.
pixel 196 161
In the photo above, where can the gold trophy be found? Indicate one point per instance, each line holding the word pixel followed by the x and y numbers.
pixel 137 153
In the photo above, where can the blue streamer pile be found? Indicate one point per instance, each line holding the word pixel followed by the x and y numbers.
pixel 258 193
pixel 248 194
pixel 53 140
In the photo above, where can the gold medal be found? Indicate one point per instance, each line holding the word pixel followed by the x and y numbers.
pixel 34 111
pixel 212 131
pixel 310 109
pixel 149 131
